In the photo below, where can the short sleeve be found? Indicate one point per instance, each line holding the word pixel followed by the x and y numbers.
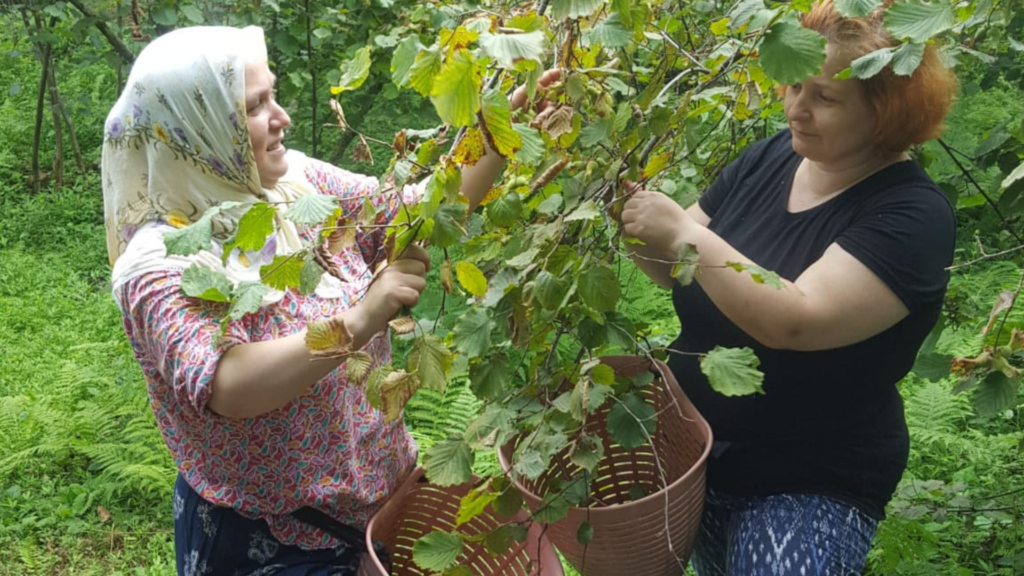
pixel 907 239
pixel 352 190
pixel 174 337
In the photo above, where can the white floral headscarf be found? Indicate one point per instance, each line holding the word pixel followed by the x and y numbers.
pixel 176 142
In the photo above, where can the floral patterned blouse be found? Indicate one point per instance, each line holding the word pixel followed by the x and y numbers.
pixel 327 448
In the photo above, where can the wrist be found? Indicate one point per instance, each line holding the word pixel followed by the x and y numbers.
pixel 361 325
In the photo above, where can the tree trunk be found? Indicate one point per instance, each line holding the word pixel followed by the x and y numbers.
pixel 43 53
pixel 312 72
pixel 72 137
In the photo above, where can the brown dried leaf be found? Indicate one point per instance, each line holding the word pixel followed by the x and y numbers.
pixel 343 237
pixel 339 114
pixel 362 153
pixel 400 143
pixel 1003 303
pixel 559 122
pixel 329 338
pixel 403 325
pixel 104 514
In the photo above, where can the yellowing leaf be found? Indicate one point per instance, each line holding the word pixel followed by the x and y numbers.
pixel 328 338
pixel 424 68
pixel 497 124
pixel 457 39
pixel 354 72
pixel 431 361
pixel 357 366
pixel 456 91
pixel 447 282
pixel 395 392
pixel 470 149
pixel 471 278
pixel 342 237
pixel 720 27
pixel 656 164
pixel 474 503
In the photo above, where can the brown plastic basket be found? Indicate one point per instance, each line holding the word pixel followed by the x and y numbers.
pixel 418 508
pixel 652 535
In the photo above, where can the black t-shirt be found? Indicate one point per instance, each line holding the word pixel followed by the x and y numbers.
pixel 830 422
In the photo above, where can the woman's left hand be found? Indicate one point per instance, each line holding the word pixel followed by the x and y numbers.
pixel 655 219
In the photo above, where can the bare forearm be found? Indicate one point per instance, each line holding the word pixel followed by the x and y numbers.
pixel 768 314
pixel 652 262
pixel 258 377
pixel 478 178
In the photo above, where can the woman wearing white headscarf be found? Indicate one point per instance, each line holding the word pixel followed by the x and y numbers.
pixel 257 428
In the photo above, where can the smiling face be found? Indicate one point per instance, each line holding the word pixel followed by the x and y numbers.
pixel 267 121
pixel 831 120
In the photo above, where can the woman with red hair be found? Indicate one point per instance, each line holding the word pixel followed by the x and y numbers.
pixel 861 237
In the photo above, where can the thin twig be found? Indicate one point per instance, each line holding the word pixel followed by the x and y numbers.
pixel 988 199
pixel 986 257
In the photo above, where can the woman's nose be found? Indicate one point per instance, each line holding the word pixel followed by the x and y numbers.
pixel 281 117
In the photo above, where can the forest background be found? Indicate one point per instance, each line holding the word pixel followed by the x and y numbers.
pixel 85 479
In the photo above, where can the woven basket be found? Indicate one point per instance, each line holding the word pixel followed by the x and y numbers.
pixel 650 536
pixel 418 508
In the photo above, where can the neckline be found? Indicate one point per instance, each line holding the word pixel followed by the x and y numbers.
pixel 795 162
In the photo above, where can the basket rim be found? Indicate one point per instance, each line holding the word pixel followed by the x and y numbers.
pixel 674 390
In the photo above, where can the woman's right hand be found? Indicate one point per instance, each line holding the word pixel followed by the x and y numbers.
pixel 398 285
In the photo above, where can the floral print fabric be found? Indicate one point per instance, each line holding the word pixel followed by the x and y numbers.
pixel 327 448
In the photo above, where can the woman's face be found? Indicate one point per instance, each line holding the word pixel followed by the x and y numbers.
pixel 267 121
pixel 830 119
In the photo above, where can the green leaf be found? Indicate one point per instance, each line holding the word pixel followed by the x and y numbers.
pixel 857 8
pixel 508 503
pixel 907 58
pixel 585 533
pixel 588 453
pixel 507 49
pixel 553 507
pixel 791 53
pixel 758 274
pixel 431 360
pixel 550 290
pixel 995 393
pixel 621 330
pixel 533 145
pixel 201 282
pixel 354 72
pixel 456 92
pixel 448 225
pixel 424 68
pixel 551 205
pixel 505 211
pixel 472 333
pixel 599 287
pixel 310 276
pixel 191 239
pixel 631 420
pixel 402 60
pixel 733 371
pixel 492 428
pixel 437 551
pixel 255 225
pixel 283 273
pixel 193 14
pixel 311 209
pixel 871 63
pixel 530 464
pixel 596 132
pixel 609 33
pixel 931 366
pixel 247 299
pixel 488 380
pixel 563 9
pixel 165 16
pixel 588 210
pixel 688 265
pixel 497 115
pixel 500 539
pixel 1017 174
pixel 919 21
pixel 473 504
pixel 471 278
pixel 449 462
